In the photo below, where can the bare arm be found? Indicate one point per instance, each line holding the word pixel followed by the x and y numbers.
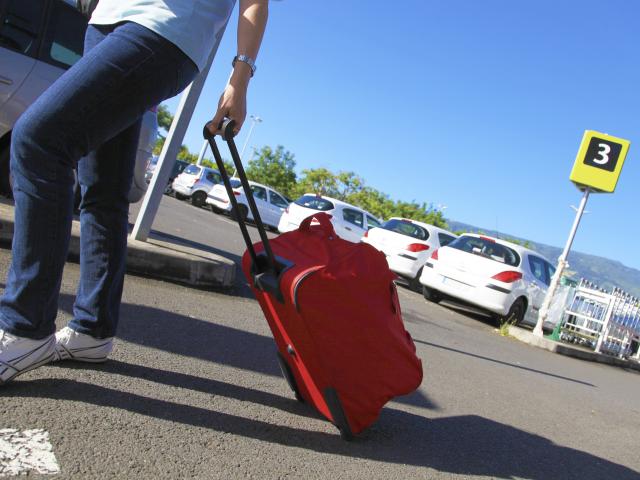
pixel 251 25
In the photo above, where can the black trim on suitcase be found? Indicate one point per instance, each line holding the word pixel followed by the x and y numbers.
pixel 264 279
pixel 337 412
pixel 267 269
pixel 288 376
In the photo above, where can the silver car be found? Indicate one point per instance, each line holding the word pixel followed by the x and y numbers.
pixel 194 183
pixel 39 40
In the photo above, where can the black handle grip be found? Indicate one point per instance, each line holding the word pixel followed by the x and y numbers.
pixel 226 127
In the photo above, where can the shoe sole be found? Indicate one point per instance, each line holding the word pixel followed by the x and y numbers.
pixel 84 360
pixel 77 358
pixel 29 368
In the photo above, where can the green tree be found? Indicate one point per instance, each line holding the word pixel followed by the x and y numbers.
pixel 381 205
pixel 348 184
pixel 186 155
pixel 373 201
pixel 229 167
pixel 275 168
pixel 317 180
pixel 165 119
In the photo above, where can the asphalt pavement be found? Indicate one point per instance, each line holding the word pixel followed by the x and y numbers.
pixel 193 390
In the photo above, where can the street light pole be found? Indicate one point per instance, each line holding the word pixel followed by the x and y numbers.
pixel 203 150
pixel 254 119
pixel 562 263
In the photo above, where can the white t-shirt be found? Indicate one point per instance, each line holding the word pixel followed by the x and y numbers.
pixel 194 26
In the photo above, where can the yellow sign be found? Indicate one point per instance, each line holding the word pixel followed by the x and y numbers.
pixel 599 162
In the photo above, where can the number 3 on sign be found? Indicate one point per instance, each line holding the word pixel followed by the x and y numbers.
pixel 599 161
pixel 603 154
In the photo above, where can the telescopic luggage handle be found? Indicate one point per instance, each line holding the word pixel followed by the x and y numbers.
pixel 267 270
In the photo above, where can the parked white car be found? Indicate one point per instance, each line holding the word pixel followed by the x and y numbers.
pixel 408 244
pixel 271 204
pixel 194 183
pixel 349 222
pixel 502 278
pixel 39 40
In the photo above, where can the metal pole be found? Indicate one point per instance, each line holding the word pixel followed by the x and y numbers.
pixel 203 150
pixel 605 326
pixel 254 119
pixel 170 149
pixel 562 263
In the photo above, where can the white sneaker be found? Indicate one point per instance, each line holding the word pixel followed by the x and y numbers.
pixel 19 355
pixel 71 345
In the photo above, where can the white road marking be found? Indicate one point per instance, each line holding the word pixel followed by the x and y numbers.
pixel 25 451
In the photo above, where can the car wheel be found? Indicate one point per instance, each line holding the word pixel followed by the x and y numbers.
pixel 198 199
pixel 431 295
pixel 243 212
pixel 414 283
pixel 5 176
pixel 515 314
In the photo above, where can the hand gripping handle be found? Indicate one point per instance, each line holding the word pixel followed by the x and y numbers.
pixel 226 127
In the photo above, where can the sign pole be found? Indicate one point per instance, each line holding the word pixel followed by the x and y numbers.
pixel 171 147
pixel 562 263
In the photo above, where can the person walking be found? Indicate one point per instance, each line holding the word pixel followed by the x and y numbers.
pixel 137 54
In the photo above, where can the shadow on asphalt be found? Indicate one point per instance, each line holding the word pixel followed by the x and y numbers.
pixel 241 287
pixel 208 341
pixel 198 384
pixel 493 360
pixel 465 445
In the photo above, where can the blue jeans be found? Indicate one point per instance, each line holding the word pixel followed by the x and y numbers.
pixel 91 113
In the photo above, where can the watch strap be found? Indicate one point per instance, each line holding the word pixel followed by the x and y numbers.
pixel 245 59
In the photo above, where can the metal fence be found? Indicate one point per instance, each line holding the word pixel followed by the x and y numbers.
pixel 608 322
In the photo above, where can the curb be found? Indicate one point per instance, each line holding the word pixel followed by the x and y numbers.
pixel 527 336
pixel 153 258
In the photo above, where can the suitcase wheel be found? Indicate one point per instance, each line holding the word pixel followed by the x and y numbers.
pixel 288 376
pixel 332 400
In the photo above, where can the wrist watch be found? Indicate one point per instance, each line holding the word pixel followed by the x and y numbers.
pixel 245 59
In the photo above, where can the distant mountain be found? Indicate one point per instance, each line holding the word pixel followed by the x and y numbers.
pixel 602 271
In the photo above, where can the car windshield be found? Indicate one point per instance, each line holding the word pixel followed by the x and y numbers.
pixel 487 248
pixel 315 203
pixel 192 170
pixel 407 228
pixel 235 183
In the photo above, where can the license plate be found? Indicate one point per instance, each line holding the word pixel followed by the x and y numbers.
pixel 455 283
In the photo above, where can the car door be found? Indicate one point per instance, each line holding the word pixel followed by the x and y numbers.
pixel 277 206
pixel 372 222
pixel 351 225
pixel 212 177
pixel 260 197
pixel 537 285
pixel 20 36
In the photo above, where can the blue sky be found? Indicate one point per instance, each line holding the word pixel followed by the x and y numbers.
pixel 476 105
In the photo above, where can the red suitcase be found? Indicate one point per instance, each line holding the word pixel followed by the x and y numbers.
pixel 334 313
